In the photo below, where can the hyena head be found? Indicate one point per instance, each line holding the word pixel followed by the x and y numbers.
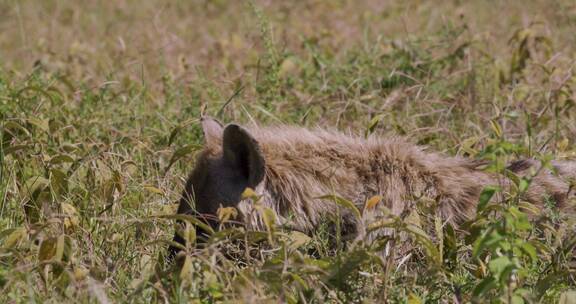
pixel 230 162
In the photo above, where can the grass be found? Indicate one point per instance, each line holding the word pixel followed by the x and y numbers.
pixel 99 107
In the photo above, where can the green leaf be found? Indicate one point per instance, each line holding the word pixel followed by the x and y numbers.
pixel 499 264
pixel 15 148
pixel 516 299
pixel 173 134
pixel 33 186
pixel 47 249
pixel 372 124
pixel 485 197
pixel 414 299
pixel 14 238
pixel 299 280
pixel 524 184
pixel 340 270
pixel 484 287
pixel 543 285
pixel 61 158
pixel 496 128
pixel 424 239
pixel 226 213
pixel 58 181
pixel 530 250
pixel 187 218
pixel 269 218
pixel 42 124
pixel 344 203
pixel 13 125
pixel 298 239
pixel 60 248
pixel 154 190
pixel 187 269
pixel 439 236
pixel 180 153
pixel 489 238
pixel 520 220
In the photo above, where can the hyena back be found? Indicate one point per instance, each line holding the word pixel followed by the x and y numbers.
pixel 293 169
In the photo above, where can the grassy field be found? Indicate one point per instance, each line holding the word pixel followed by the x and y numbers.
pixel 99 117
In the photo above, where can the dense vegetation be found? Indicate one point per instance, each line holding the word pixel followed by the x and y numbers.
pixel 99 109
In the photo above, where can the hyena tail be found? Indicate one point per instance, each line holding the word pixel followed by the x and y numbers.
pixel 566 169
pixel 559 182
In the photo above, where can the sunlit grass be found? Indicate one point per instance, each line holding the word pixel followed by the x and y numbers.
pixel 99 108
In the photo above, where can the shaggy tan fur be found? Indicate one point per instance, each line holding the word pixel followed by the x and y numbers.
pixel 303 165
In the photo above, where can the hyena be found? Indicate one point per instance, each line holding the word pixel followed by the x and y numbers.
pixel 293 169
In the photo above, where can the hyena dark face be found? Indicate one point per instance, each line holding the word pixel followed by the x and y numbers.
pixel 230 163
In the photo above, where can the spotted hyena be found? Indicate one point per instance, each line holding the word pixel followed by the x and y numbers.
pixel 293 169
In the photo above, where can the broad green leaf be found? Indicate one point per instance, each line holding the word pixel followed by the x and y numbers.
pixel 60 248
pixel 344 203
pixel 187 269
pixel 486 240
pixel 524 184
pixel 497 265
pixel 485 197
pixel 33 186
pixel 414 299
pixel 47 249
pixel 298 239
pixel 530 250
pixel 484 287
pixel 520 221
pixel 425 240
pixel 58 181
pixel 516 299
pixel 544 284
pixel 15 148
pixel 346 265
pixel 61 158
pixel 41 124
pixel 14 238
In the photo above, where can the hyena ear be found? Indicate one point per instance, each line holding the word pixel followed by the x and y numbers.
pixel 213 131
pixel 243 152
